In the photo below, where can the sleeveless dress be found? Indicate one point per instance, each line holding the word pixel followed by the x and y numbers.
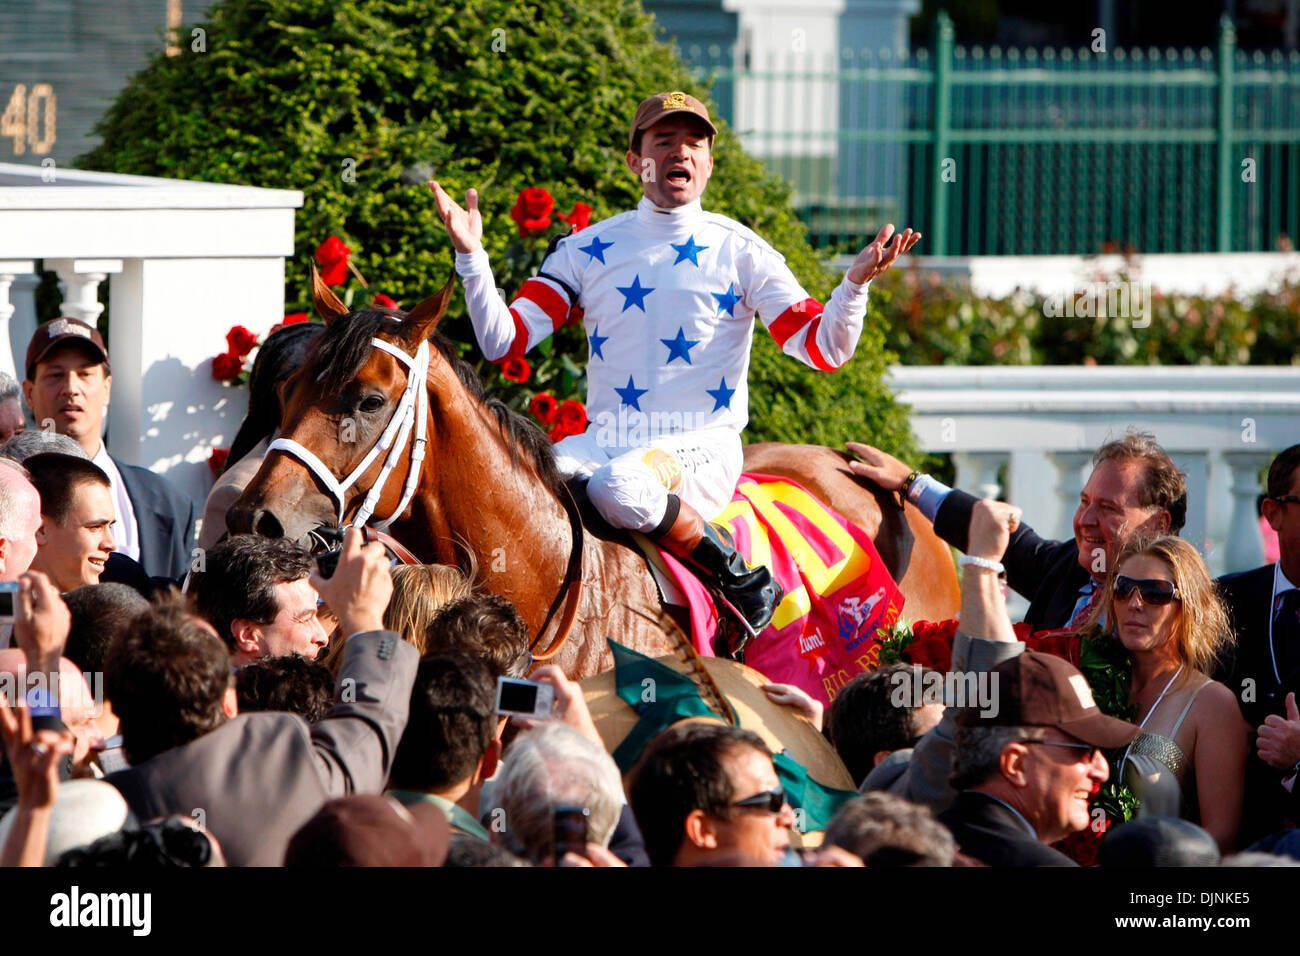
pixel 1157 770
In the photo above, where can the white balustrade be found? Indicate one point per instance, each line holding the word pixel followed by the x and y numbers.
pixel 1220 425
pixel 187 260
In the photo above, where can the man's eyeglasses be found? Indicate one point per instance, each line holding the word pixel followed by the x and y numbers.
pixel 1154 591
pixel 1091 750
pixel 1287 499
pixel 770 800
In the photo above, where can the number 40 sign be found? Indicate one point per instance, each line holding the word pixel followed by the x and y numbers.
pixel 22 118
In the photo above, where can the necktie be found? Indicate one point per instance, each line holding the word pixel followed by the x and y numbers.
pixel 1286 636
pixel 1082 612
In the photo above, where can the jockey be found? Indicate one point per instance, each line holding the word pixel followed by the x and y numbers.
pixel 668 294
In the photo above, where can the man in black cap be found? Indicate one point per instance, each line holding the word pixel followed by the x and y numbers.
pixel 668 294
pixel 68 387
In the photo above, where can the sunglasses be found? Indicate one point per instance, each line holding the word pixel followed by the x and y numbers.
pixel 770 800
pixel 1153 590
pixel 1092 751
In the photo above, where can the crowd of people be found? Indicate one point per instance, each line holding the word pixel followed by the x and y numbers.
pixel 151 725
pixel 242 703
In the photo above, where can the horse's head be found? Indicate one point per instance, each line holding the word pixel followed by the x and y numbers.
pixel 350 418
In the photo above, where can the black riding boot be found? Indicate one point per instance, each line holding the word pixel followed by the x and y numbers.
pixel 711 553
pixel 752 591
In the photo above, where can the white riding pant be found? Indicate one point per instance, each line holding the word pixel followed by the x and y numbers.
pixel 630 486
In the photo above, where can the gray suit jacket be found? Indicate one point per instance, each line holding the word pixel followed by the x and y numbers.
pixel 259 777
pixel 164 518
pixel 925 780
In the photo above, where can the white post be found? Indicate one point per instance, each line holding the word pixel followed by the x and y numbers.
pixel 22 324
pixel 977 471
pixel 79 281
pixel 1069 484
pixel 6 312
pixel 1244 548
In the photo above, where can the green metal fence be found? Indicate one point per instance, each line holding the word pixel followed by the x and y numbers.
pixel 1006 151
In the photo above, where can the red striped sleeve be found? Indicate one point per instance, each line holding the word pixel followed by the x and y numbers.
pixel 814 353
pixel 793 319
pixel 546 299
pixel 519 345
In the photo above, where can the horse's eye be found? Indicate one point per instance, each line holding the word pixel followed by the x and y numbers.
pixel 372 403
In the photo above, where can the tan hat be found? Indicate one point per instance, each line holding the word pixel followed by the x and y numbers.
pixel 654 108
pixel 1043 690
pixel 58 332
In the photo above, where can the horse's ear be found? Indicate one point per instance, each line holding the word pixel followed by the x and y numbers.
pixel 424 318
pixel 328 305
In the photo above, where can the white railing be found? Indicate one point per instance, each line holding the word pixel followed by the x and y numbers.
pixel 1220 425
pixel 185 262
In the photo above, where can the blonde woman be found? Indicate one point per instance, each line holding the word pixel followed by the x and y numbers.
pixel 1189 760
pixel 419 591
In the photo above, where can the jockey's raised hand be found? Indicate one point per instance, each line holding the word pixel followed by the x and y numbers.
pixel 464 227
pixel 880 255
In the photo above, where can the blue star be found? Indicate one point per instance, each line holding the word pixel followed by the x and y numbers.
pixel 687 250
pixel 597 340
pixel 680 347
pixel 634 294
pixel 721 395
pixel 631 396
pixel 596 249
pixel 727 300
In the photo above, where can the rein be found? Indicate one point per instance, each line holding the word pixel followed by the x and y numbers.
pixel 412 411
pixel 573 579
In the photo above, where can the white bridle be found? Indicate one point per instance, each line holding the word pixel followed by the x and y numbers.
pixel 411 410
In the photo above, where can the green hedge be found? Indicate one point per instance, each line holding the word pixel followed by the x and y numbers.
pixel 289 90
pixel 930 321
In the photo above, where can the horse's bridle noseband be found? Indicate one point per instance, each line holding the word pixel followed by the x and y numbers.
pixel 412 410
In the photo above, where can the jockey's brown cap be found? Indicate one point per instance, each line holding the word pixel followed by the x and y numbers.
pixel 661 105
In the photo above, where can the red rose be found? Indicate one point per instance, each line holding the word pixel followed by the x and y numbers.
pixel 240 340
pixel 217 460
pixel 516 369
pixel 932 652
pixel 532 211
pixel 383 302
pixel 558 434
pixel 580 218
pixel 332 255
pixel 573 417
pixel 921 630
pixel 227 366
pixel 542 407
pixel 1023 630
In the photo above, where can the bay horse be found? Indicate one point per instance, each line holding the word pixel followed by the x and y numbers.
pixel 488 486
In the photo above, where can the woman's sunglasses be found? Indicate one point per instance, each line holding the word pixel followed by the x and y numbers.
pixel 1153 590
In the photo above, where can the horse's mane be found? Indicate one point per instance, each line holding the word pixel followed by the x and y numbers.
pixel 345 347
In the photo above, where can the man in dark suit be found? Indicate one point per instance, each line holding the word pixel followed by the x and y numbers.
pixel 254 779
pixel 1135 487
pixel 68 387
pixel 1264 668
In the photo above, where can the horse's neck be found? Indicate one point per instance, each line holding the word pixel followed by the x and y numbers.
pixel 472 496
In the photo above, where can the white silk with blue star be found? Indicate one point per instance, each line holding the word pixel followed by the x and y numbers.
pixel 669 298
